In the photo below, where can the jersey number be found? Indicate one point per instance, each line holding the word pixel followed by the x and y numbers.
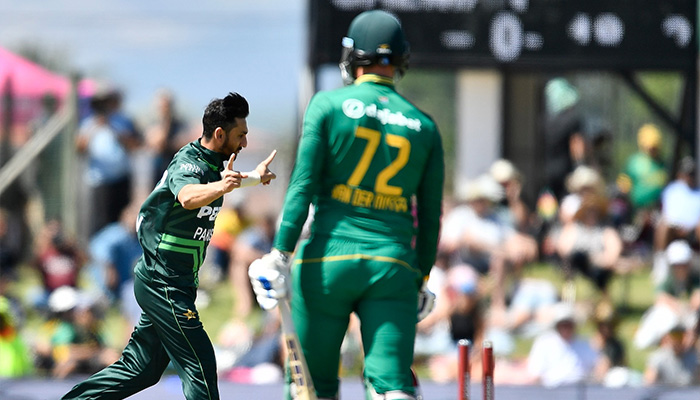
pixel 381 184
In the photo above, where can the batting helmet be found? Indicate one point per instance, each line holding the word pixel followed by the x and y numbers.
pixel 374 37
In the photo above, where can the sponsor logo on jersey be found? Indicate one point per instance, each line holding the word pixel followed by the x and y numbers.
pixel 356 109
pixel 208 212
pixel 192 168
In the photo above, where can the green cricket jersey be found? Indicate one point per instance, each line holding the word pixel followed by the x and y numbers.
pixel 365 154
pixel 175 239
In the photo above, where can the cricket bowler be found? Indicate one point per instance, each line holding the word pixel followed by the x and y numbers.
pixel 367 160
pixel 174 227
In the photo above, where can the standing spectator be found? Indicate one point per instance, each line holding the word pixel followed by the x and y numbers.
pixel 672 364
pixel 516 212
pixel 107 138
pixel 643 180
pixel 559 357
pixel 164 137
pixel 564 146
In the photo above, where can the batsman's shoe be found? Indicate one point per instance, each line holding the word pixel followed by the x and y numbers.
pixel 269 277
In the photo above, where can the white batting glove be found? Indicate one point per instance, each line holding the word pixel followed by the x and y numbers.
pixel 426 301
pixel 269 277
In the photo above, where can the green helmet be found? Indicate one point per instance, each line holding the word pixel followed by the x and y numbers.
pixel 374 37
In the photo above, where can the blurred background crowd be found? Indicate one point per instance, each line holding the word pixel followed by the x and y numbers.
pixel 597 280
pixel 575 251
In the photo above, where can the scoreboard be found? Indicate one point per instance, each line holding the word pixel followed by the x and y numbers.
pixel 590 34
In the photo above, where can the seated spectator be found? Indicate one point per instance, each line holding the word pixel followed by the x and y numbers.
pixel 16 358
pixel 528 314
pixel 611 368
pixel 261 360
pixel 680 215
pixel 671 364
pixel 473 233
pixel 590 246
pixel 58 259
pixel 251 244
pixel 559 357
pixel 582 182
pixel 678 297
pixel 77 346
pixel 230 222
pixel 458 314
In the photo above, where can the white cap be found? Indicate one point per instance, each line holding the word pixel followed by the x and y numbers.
pixel 583 176
pixel 482 187
pixel 64 298
pixel 679 252
pixel 563 311
pixel 503 171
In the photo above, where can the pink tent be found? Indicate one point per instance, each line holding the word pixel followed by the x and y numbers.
pixel 26 83
pixel 32 80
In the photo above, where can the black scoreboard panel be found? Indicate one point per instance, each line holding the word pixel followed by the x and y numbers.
pixel 600 34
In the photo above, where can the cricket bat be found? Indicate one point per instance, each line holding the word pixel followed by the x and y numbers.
pixel 297 363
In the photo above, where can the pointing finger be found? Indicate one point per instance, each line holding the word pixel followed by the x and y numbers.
pixel 231 159
pixel 269 158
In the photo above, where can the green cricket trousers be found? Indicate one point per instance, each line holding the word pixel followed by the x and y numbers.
pixel 169 330
pixel 331 279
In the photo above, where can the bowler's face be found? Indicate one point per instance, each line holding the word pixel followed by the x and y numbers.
pixel 236 138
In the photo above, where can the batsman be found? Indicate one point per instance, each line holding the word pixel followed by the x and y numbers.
pixel 174 228
pixel 371 163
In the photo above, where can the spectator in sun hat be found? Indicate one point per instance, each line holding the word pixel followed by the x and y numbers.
pixel 475 236
pixel 588 245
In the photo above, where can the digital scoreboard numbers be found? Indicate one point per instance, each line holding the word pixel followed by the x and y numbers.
pixel 597 34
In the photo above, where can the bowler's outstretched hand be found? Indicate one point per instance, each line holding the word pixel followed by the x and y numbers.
pixel 264 169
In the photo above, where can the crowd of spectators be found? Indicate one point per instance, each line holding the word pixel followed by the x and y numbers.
pixel 588 230
pixel 593 232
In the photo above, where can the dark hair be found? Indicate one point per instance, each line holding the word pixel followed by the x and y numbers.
pixel 223 113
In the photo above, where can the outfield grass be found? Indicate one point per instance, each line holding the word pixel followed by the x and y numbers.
pixel 632 295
